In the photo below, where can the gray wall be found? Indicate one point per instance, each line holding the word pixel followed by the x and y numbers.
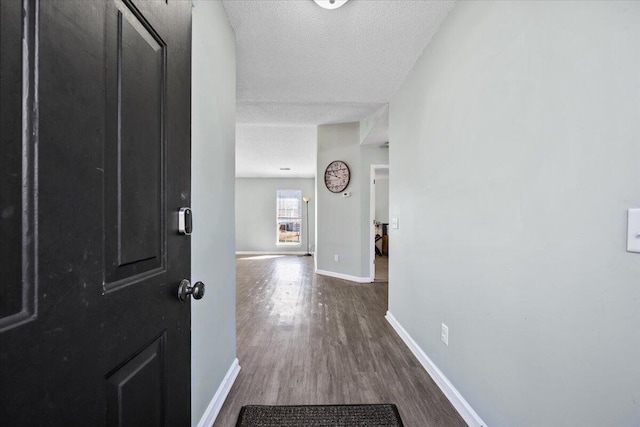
pixel 382 200
pixel 256 213
pixel 515 150
pixel 343 223
pixel 213 330
pixel 339 217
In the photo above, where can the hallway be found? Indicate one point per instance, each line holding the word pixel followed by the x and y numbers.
pixel 309 339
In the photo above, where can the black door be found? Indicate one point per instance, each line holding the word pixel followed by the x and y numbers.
pixel 95 164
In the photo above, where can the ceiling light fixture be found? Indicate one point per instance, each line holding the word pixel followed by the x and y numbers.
pixel 285 169
pixel 330 4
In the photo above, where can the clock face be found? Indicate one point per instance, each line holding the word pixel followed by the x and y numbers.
pixel 336 177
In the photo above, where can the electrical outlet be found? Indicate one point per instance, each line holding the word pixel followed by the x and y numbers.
pixel 394 223
pixel 336 258
pixel 444 334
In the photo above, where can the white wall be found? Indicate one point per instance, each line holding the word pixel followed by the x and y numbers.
pixel 515 150
pixel 343 223
pixel 213 330
pixel 256 213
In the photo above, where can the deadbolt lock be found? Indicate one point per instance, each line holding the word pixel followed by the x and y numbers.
pixel 185 221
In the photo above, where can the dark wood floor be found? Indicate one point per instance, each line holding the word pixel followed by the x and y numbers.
pixel 309 339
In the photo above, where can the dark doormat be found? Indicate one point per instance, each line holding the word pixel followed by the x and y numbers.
pixel 380 415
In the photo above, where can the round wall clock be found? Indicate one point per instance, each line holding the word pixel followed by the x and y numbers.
pixel 337 176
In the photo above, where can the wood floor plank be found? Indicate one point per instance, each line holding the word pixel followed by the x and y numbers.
pixel 309 339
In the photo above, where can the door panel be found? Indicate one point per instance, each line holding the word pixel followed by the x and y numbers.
pixel 95 143
pixel 140 143
pixel 17 162
pixel 135 147
pixel 138 384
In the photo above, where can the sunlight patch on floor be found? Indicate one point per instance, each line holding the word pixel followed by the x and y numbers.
pixel 262 257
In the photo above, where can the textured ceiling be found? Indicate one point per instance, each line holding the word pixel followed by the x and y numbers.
pixel 301 114
pixel 301 65
pixel 262 150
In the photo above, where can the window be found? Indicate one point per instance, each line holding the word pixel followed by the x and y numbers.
pixel 289 217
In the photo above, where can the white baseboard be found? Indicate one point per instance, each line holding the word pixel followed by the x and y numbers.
pixel 462 406
pixel 344 276
pixel 270 252
pixel 213 409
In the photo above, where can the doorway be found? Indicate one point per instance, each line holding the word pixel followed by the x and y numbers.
pixel 379 223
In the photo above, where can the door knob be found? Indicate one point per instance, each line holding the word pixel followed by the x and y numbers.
pixel 185 289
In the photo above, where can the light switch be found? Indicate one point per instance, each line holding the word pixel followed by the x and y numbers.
pixel 633 231
pixel 394 222
pixel 444 334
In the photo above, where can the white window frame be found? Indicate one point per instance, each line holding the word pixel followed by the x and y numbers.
pixel 298 219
